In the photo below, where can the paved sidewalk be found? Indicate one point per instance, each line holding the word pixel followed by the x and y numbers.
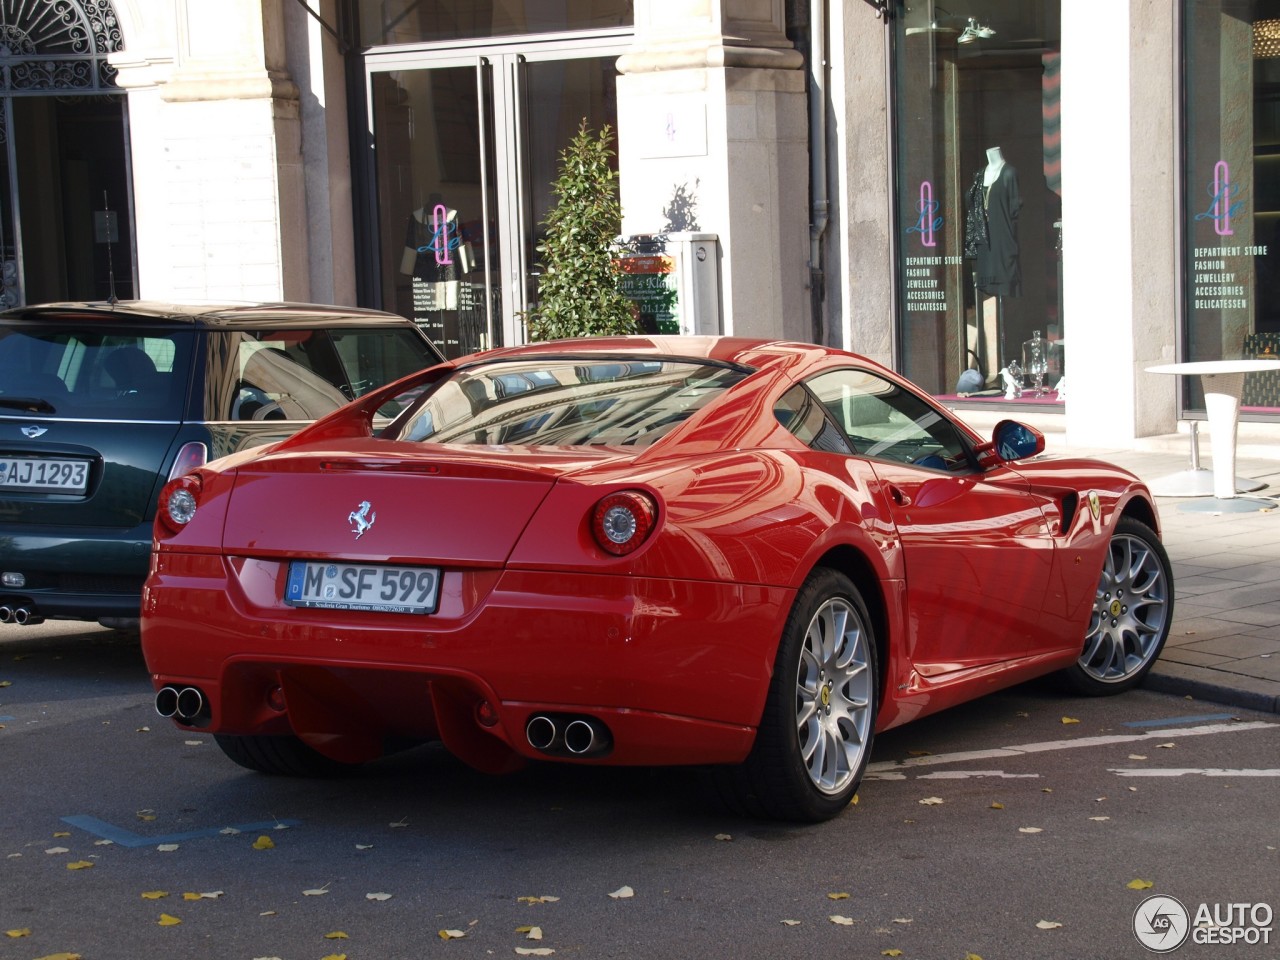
pixel 1225 642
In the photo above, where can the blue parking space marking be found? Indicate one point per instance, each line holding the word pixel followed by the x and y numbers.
pixel 1171 721
pixel 127 838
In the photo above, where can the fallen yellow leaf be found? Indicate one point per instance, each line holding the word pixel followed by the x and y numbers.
pixel 61 956
pixel 377 896
pixel 841 921
pixel 168 921
pixel 1030 830
pixel 534 951
pixel 1048 925
pixel 452 934
pixel 997 806
pixel 891 953
pixel 1070 720
pixel 24 932
pixel 537 899
pixel 264 843
pixel 154 895
pixel 623 893
pixel 63 833
pixel 1139 884
pixel 335 956
pixel 837 896
pixel 533 933
pixel 790 923
pixel 972 956
pixel 931 801
pixel 336 935
pixel 80 865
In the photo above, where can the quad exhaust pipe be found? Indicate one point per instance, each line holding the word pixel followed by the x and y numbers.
pixel 573 735
pixel 23 615
pixel 188 704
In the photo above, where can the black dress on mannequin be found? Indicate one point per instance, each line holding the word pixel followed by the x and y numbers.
pixel 997 271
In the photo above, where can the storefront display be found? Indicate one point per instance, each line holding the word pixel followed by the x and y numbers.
pixel 1231 192
pixel 979 196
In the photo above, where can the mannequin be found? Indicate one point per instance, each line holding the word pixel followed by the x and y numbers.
pixel 998 271
pixel 995 162
pixel 991 239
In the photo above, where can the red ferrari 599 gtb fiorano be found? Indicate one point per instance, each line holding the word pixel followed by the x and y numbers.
pixel 742 554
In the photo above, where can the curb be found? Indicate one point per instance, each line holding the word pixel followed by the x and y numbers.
pixel 1250 693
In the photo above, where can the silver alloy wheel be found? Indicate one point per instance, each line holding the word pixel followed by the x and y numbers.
pixel 834 694
pixel 1130 611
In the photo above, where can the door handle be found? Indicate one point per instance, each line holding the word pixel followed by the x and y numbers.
pixel 899 497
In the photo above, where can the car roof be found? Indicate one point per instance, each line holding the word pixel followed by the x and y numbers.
pixel 257 316
pixel 756 353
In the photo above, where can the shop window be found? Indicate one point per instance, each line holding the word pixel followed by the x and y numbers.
pixel 980 198
pixel 418 21
pixel 1231 192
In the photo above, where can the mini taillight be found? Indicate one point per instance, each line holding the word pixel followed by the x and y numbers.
pixel 622 521
pixel 192 455
pixel 178 502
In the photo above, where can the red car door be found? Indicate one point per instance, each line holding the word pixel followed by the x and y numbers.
pixel 977 550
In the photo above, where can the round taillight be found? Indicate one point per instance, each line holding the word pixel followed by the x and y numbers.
pixel 622 521
pixel 178 502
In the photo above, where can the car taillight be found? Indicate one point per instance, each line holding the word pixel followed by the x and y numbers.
pixel 622 521
pixel 178 502
pixel 192 455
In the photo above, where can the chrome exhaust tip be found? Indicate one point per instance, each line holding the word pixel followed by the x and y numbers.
pixel 26 617
pixel 167 702
pixel 6 614
pixel 189 703
pixel 541 732
pixel 585 735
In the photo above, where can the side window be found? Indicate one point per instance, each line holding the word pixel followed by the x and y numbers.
pixel 884 421
pixel 799 412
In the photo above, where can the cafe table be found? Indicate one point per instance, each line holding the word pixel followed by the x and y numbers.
pixel 1223 383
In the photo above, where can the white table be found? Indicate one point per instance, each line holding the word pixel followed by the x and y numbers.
pixel 1223 382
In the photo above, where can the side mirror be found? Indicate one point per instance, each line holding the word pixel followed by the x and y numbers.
pixel 1011 440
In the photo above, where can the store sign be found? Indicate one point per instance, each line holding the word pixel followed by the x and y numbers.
pixel 1223 205
pixel 648 281
pixel 924 275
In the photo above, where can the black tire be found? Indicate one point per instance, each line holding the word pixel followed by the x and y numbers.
pixel 283 756
pixel 1132 613
pixel 815 703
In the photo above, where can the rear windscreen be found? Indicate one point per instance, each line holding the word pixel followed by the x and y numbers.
pixel 96 374
pixel 304 374
pixel 566 402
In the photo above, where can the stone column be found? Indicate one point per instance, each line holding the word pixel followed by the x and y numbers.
pixel 222 211
pixel 1120 260
pixel 713 137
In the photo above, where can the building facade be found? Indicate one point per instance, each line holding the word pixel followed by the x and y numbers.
pixel 1019 204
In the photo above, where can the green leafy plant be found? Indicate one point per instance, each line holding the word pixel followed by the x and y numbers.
pixel 579 290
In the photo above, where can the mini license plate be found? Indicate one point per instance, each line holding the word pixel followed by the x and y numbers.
pixel 354 586
pixel 44 476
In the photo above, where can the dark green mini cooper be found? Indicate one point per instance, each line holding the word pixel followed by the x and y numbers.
pixel 102 403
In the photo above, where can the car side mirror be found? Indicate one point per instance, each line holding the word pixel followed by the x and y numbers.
pixel 1011 440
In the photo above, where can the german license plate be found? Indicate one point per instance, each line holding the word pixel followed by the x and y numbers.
pixel 355 586
pixel 43 475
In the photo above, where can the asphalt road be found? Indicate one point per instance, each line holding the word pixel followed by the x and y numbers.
pixel 1012 827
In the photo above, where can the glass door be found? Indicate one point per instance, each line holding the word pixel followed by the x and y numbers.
pixel 466 148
